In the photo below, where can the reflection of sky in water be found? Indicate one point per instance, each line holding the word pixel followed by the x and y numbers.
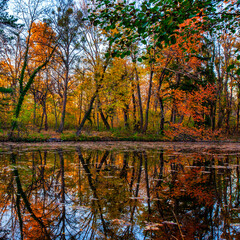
pixel 108 196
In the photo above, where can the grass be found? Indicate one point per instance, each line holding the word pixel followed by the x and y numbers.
pixel 51 136
pixel 94 136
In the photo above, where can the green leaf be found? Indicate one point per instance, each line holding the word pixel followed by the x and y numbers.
pixel 141 30
pixel 230 67
pixel 5 90
pixel 123 55
pixel 139 59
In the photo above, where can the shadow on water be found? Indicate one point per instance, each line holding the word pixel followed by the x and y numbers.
pixel 92 194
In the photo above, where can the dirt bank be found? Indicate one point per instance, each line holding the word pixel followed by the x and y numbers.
pixel 124 145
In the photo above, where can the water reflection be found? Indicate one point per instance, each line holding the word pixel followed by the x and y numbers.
pixel 119 195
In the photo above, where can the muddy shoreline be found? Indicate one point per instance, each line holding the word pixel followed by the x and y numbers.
pixel 127 145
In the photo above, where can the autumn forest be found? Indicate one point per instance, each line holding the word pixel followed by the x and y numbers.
pixel 119 119
pixel 158 69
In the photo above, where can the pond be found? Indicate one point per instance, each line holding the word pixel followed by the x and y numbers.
pixel 74 192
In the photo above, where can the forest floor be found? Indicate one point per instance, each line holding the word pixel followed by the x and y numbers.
pixel 52 136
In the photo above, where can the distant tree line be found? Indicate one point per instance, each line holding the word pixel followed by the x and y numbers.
pixel 144 66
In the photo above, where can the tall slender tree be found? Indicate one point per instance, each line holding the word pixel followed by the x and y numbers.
pixel 67 24
pixel 31 11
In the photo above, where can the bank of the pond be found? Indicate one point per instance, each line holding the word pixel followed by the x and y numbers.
pixel 82 138
pixel 94 136
pixel 201 147
pixel 114 135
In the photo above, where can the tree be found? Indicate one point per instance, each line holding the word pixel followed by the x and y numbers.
pixel 95 45
pixel 152 19
pixel 116 90
pixel 98 78
pixel 67 24
pixel 31 11
pixel 149 23
pixel 6 22
pixel 39 49
pixel 5 95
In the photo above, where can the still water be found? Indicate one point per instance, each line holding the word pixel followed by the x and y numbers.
pixel 119 194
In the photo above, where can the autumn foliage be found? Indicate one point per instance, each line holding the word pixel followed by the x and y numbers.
pixel 88 76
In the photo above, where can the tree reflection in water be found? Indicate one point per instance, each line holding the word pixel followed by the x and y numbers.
pixel 85 194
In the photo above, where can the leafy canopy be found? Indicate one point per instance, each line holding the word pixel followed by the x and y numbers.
pixel 153 22
pixel 6 21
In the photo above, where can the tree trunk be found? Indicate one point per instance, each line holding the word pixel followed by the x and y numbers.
pixel 46 118
pixel 104 119
pixel 24 90
pixel 213 115
pixel 55 113
pixel 112 122
pixel 34 109
pixel 229 106
pixel 238 108
pixel 160 81
pixel 139 100
pixel 61 126
pixel 162 121
pixel 80 108
pixel 40 128
pixel 148 101
pixel 98 121
pixel 220 107
pixel 125 113
pixel 174 108
pixel 88 112
pixel 134 111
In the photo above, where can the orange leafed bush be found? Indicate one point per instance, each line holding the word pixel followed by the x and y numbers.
pixel 195 103
pixel 194 133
